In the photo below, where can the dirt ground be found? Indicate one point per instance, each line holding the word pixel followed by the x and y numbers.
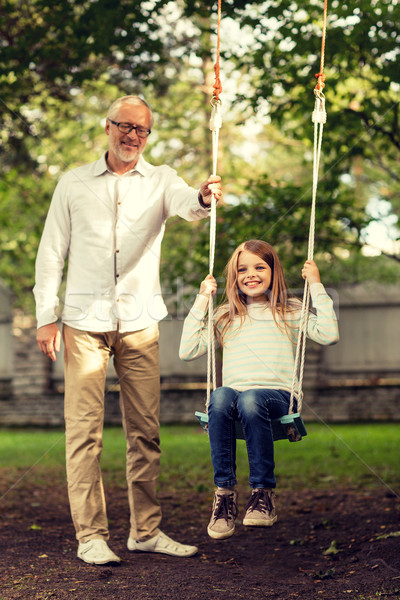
pixel 337 544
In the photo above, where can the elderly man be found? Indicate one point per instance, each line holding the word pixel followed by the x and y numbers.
pixel 109 218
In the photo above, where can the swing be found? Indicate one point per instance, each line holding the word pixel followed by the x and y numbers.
pixel 289 426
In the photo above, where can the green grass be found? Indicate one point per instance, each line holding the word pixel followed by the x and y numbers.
pixel 358 456
pixel 361 455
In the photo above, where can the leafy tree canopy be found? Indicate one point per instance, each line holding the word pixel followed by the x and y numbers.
pixel 63 63
pixel 362 76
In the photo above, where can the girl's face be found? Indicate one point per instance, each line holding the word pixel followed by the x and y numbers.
pixel 254 277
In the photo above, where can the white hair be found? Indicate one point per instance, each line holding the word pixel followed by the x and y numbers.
pixel 134 101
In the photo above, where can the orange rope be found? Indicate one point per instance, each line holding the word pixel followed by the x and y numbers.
pixel 321 76
pixel 217 83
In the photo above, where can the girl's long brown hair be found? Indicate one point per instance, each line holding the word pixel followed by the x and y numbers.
pixel 235 302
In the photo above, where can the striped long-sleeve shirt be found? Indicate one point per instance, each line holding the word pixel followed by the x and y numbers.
pixel 256 352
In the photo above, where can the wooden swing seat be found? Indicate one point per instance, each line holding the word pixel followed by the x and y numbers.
pixel 288 427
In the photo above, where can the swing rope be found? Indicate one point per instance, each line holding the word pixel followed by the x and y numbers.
pixel 215 126
pixel 319 119
pixel 217 82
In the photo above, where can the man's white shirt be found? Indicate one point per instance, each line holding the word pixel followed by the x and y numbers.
pixel 111 228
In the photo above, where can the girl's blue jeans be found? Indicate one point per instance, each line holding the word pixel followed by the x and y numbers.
pixel 254 408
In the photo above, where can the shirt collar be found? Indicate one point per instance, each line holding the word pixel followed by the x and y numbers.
pixel 142 167
pixel 101 167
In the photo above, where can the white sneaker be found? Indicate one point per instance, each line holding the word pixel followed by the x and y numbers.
pixel 163 544
pixel 96 552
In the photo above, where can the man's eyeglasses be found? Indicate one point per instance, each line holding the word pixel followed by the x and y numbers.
pixel 142 132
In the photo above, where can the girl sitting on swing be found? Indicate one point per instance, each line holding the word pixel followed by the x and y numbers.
pixel 257 327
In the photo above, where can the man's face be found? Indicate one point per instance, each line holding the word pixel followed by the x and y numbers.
pixel 125 148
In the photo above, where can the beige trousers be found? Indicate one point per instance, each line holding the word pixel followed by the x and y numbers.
pixel 136 361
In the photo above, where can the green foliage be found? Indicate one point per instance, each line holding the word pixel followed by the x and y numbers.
pixel 69 132
pixel 62 64
pixel 277 54
pixel 69 42
pixel 49 50
pixel 21 223
pixel 362 77
pixel 360 62
pixel 280 215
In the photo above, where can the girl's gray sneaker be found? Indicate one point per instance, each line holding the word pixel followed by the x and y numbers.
pixel 224 513
pixel 260 509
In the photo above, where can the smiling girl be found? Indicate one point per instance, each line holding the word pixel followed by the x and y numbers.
pixel 257 327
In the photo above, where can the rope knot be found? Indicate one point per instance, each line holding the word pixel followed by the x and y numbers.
pixel 217 84
pixel 321 81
